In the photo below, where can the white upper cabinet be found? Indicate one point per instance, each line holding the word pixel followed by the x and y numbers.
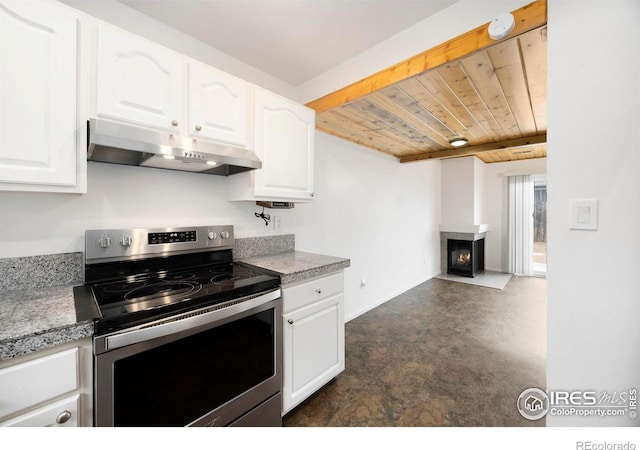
pixel 38 98
pixel 142 83
pixel 218 105
pixel 284 136
pixel 138 81
pixel 284 142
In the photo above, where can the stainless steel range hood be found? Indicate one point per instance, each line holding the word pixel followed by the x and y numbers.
pixel 116 143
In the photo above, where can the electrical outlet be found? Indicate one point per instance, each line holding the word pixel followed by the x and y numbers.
pixel 277 223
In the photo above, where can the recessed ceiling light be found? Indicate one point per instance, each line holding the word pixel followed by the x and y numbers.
pixel 459 141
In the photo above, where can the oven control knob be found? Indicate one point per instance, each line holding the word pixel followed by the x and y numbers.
pixel 126 241
pixel 224 234
pixel 212 235
pixel 104 242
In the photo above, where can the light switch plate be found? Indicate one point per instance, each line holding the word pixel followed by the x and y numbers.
pixel 583 214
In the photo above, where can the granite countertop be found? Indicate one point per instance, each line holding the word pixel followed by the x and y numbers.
pixel 295 266
pixel 35 319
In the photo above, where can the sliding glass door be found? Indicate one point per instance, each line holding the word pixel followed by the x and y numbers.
pixel 527 228
pixel 540 225
pixel 521 207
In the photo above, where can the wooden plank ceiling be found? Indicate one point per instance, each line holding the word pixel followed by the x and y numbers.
pixel 494 95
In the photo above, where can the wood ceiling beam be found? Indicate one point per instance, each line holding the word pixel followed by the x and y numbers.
pixel 527 18
pixel 475 149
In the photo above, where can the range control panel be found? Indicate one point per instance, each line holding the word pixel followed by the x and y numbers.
pixel 118 245
pixel 171 237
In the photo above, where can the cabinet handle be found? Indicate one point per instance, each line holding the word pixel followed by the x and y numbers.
pixel 312 194
pixel 174 123
pixel 290 321
pixel 198 127
pixel 319 291
pixel 63 417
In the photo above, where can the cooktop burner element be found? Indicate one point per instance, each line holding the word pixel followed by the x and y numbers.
pixel 118 288
pixel 162 290
pixel 138 275
pixel 184 276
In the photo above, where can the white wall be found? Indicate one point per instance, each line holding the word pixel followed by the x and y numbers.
pixel 382 214
pixel 495 206
pixel 458 197
pixel 119 196
pixel 594 152
pixel 478 191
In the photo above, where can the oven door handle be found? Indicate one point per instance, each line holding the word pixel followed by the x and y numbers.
pixel 178 324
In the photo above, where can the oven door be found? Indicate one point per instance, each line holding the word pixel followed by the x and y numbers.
pixel 204 368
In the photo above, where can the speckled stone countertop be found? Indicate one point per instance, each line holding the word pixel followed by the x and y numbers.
pixel 37 309
pixel 263 245
pixel 294 266
pixel 35 319
pixel 29 272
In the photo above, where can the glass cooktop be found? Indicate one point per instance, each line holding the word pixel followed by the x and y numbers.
pixel 213 284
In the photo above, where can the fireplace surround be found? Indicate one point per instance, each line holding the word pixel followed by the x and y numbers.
pixel 469 235
pixel 465 257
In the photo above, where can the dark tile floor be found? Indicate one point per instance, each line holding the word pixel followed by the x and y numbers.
pixel 441 354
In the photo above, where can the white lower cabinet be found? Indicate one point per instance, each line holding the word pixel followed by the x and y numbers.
pixel 63 413
pixel 313 321
pixel 49 388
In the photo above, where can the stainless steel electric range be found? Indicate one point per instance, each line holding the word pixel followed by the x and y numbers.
pixel 183 335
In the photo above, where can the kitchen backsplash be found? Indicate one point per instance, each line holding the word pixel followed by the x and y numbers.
pixel 264 245
pixel 30 272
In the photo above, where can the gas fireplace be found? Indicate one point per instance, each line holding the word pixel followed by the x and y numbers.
pixel 464 257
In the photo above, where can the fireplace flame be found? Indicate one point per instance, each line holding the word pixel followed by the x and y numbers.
pixel 464 258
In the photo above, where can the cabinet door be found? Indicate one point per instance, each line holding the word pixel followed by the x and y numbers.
pixel 38 88
pixel 138 81
pixel 218 105
pixel 284 142
pixel 313 349
pixel 22 386
pixel 63 413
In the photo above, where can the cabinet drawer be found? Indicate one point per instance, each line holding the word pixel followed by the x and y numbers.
pixel 65 411
pixel 300 295
pixel 33 382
